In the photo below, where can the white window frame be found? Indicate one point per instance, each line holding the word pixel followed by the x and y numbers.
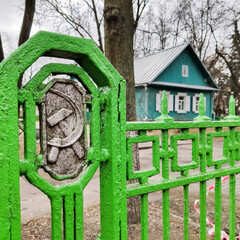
pixel 194 103
pixel 181 103
pixel 185 70
pixel 186 103
pixel 170 101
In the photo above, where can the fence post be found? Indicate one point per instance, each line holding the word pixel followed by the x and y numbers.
pixel 10 223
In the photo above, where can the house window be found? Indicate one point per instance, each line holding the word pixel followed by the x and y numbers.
pixel 158 101
pixel 182 103
pixel 195 103
pixel 184 70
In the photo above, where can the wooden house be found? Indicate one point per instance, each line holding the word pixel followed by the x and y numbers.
pixel 179 72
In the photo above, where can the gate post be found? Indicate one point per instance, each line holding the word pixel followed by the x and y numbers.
pixel 113 195
pixel 10 220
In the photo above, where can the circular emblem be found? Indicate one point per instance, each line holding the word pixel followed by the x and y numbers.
pixel 63 129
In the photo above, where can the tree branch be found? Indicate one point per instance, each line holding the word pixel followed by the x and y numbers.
pixel 98 24
pixel 69 18
pixel 26 27
pixel 141 4
pixel 233 76
pixel 27 21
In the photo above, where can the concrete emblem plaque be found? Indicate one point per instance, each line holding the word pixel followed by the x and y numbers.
pixel 63 129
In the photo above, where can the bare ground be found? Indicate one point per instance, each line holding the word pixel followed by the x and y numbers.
pixel 40 228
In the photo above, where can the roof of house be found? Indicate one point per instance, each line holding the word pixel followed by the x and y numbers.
pixel 148 68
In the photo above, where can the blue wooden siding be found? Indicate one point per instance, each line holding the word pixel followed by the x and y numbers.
pixel 153 114
pixel 173 73
pixel 140 102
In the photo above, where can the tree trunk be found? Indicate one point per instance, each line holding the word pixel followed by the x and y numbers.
pixel 118 36
pixel 26 26
pixel 1 50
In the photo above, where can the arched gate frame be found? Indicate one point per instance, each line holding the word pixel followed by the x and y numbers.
pixel 107 134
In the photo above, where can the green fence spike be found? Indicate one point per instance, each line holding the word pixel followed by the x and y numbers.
pixel 164 103
pixel 232 105
pixel 232 115
pixel 202 117
pixel 201 105
pixel 164 110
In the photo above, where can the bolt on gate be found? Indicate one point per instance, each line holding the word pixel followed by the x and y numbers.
pixel 66 153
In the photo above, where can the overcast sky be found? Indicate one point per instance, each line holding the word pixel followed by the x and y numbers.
pixel 11 15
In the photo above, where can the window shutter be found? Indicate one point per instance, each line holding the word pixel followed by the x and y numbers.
pixel 194 104
pixel 187 103
pixel 176 103
pixel 170 102
pixel 158 102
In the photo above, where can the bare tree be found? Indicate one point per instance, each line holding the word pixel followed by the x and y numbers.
pixel 26 27
pixel 154 32
pixel 198 20
pixel 231 57
pixel 186 20
pixel 27 21
pixel 138 6
pixel 77 17
pixel 83 18
pixel 119 29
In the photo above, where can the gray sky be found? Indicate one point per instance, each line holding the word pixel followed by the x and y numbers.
pixel 10 17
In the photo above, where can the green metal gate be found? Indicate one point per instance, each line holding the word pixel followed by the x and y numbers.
pixel 108 149
pixel 107 136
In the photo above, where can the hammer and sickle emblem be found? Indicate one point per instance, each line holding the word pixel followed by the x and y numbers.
pixel 71 135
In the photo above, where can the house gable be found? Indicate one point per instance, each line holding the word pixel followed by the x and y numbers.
pixel 196 74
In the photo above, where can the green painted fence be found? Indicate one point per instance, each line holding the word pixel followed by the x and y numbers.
pixel 202 159
pixel 109 149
